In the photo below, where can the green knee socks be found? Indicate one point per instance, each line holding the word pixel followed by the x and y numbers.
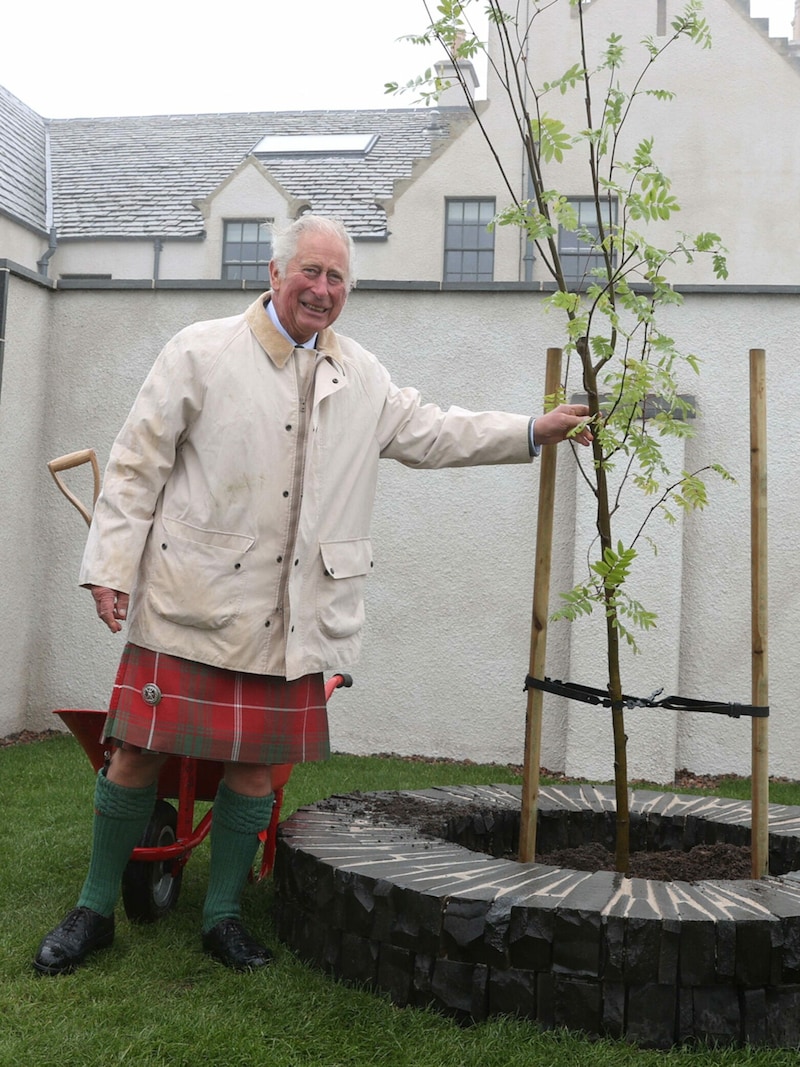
pixel 120 818
pixel 235 826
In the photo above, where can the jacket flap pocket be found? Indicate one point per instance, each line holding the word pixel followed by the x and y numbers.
pixel 347 559
pixel 235 542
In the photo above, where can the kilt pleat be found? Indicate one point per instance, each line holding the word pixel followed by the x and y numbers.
pixel 163 703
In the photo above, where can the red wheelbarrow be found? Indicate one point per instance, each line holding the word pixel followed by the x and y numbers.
pixel 152 880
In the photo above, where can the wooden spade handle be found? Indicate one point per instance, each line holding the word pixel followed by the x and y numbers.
pixel 76 459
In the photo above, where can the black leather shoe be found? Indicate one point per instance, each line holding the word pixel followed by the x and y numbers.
pixel 231 944
pixel 65 948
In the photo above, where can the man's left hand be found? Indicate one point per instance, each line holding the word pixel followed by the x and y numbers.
pixel 555 425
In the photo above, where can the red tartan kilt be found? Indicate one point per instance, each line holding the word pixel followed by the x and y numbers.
pixel 216 714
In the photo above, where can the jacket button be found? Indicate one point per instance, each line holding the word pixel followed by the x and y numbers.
pixel 285 492
pixel 236 566
pixel 279 559
pixel 335 381
pixel 289 426
pixel 164 545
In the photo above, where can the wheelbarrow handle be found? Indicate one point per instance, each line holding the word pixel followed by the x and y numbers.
pixel 76 459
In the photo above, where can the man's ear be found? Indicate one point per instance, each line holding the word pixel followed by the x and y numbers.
pixel 274 275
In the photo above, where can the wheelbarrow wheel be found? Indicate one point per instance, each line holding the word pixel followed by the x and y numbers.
pixel 150 889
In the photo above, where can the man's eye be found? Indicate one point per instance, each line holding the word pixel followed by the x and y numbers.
pixel 310 272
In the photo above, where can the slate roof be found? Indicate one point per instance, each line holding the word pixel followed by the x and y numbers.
pixel 140 177
pixel 23 193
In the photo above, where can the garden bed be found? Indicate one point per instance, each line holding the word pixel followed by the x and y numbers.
pixel 413 893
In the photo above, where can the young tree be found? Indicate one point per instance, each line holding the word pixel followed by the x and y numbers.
pixel 628 366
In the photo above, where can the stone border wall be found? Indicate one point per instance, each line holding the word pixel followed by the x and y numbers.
pixel 433 923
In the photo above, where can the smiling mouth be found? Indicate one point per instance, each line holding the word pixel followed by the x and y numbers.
pixel 316 309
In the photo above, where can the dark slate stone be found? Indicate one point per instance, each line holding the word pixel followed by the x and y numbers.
pixel 463 929
pixel 577 937
pixel 498 924
pixel 422 981
pixel 642 951
pixel 613 1009
pixel 612 962
pixel 530 938
pixel 331 950
pixel 755 952
pixel 416 922
pixel 726 949
pixel 358 961
pixel 577 1004
pixel 669 952
pixel 512 992
pixel 783 1017
pixel 396 974
pixel 545 999
pixel 790 971
pixel 685 1024
pixel 754 1016
pixel 717 1014
pixel 460 988
pixel 697 953
pixel 651 1015
pixel 358 895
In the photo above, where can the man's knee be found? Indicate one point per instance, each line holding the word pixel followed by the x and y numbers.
pixel 249 779
pixel 133 769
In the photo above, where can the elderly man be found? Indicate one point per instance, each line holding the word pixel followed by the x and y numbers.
pixel 237 503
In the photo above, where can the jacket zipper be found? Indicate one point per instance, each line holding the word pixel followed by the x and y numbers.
pixel 305 400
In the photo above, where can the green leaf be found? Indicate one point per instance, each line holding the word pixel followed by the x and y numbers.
pixel 549 134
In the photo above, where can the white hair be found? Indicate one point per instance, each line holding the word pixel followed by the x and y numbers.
pixel 284 242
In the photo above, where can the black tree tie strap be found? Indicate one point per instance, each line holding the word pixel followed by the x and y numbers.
pixel 671 703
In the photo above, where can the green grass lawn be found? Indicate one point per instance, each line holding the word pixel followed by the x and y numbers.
pixel 154 999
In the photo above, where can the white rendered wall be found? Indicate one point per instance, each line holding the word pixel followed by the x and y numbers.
pixel 447 637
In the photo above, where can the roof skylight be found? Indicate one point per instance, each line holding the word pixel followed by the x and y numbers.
pixel 315 144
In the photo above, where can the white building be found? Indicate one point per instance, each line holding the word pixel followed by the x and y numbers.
pixel 116 232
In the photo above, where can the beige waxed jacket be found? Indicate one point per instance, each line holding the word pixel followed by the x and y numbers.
pixel 239 517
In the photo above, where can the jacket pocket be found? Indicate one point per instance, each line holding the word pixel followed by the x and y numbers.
pixel 340 595
pixel 198 577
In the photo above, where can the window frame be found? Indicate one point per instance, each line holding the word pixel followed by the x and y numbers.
pixel 478 247
pixel 257 268
pixel 581 276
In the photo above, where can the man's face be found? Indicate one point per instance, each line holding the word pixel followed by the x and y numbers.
pixel 311 293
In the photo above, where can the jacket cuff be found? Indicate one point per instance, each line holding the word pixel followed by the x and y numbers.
pixel 533 448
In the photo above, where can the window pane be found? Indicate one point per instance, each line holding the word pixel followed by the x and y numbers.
pixel 469 265
pixel 452 266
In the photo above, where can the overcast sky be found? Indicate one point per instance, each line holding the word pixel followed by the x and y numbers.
pixel 88 58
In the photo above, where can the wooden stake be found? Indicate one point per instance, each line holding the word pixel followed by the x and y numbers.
pixel 758 608
pixel 539 613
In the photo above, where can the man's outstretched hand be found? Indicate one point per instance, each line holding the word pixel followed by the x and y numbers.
pixel 555 425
